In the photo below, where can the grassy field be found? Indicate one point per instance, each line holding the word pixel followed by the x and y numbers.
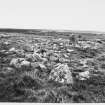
pixel 47 66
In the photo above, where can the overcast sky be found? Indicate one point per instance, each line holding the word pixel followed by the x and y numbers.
pixel 53 14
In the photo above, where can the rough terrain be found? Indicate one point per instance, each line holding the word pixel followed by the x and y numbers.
pixel 52 67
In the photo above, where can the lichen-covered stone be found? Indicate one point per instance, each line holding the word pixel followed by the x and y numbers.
pixel 19 62
pixel 61 74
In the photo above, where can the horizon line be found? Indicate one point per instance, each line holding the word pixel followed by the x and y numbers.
pixel 57 30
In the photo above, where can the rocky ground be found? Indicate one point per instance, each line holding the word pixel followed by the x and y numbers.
pixel 50 69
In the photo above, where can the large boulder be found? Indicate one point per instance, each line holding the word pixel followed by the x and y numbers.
pixel 61 74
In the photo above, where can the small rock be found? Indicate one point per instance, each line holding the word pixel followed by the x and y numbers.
pixel 6 43
pixel 34 65
pixel 63 60
pixel 70 50
pixel 20 53
pixel 53 58
pixel 37 57
pixel 28 48
pixel 8 70
pixel 45 59
pixel 29 57
pixel 12 49
pixel 25 63
pixel 42 66
pixel 84 75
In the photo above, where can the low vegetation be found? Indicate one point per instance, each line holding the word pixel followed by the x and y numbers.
pixel 52 69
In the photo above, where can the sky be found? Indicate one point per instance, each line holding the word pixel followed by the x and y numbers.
pixel 86 15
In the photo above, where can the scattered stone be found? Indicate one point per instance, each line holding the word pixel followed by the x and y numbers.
pixel 63 60
pixel 6 43
pixel 84 75
pixel 29 57
pixel 16 62
pixel 19 62
pixel 25 63
pixel 12 49
pixel 53 58
pixel 20 53
pixel 37 57
pixel 28 48
pixel 70 50
pixel 42 66
pixel 8 70
pixel 34 65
